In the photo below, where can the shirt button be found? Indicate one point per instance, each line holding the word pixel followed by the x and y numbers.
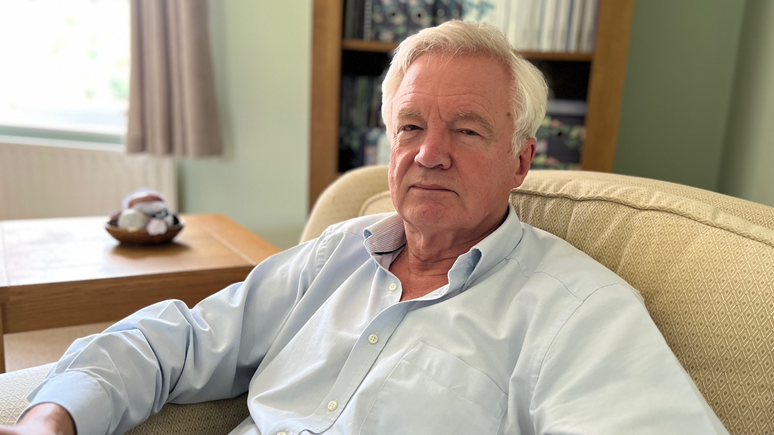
pixel 393 287
pixel 373 338
pixel 332 405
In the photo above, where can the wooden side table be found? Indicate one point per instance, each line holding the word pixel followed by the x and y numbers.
pixel 64 272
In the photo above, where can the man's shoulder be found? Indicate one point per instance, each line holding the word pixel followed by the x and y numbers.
pixel 546 254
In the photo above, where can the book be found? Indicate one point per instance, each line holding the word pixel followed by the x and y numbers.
pixel 573 32
pixel 588 26
pixel 420 15
pixel 515 13
pixel 389 22
pixel 446 10
pixel 471 10
pixel 532 25
pixel 561 25
pixel 494 12
pixel 349 18
pixel 367 19
pixel 547 22
pixel 560 136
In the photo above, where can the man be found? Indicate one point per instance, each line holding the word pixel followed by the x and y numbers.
pixel 448 317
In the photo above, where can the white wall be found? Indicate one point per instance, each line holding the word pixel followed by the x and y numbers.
pixel 262 59
pixel 747 170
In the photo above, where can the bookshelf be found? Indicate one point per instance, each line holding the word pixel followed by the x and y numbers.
pixel 600 75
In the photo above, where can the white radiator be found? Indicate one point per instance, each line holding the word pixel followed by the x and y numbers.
pixel 49 181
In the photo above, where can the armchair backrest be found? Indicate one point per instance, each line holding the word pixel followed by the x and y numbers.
pixel 704 263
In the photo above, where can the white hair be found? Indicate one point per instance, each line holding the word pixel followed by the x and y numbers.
pixel 464 38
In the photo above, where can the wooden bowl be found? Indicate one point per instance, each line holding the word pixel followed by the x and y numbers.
pixel 141 237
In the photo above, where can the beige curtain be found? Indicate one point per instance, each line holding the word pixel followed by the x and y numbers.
pixel 172 108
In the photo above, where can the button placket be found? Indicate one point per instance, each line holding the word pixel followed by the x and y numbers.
pixel 345 387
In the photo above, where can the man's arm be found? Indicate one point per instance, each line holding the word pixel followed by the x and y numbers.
pixel 113 381
pixel 610 371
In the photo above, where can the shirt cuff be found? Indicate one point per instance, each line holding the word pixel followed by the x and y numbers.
pixel 81 395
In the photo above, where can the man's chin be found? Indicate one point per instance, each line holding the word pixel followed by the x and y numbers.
pixel 429 215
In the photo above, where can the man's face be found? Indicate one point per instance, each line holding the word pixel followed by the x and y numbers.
pixel 451 164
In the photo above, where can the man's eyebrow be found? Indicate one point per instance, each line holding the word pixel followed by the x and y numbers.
pixel 409 113
pixel 477 118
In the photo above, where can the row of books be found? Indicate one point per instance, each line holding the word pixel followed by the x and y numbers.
pixel 363 140
pixel 531 25
pixel 561 135
pixel 362 137
pixel 551 25
pixel 362 146
pixel 361 101
pixel 559 141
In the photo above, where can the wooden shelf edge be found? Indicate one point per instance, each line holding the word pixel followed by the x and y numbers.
pixel 560 56
pixel 386 47
pixel 371 46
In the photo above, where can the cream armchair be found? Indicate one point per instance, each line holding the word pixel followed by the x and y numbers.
pixel 704 263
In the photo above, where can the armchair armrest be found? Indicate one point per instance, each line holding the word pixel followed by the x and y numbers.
pixel 218 417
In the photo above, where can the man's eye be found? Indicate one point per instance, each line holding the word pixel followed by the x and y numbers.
pixel 409 127
pixel 469 132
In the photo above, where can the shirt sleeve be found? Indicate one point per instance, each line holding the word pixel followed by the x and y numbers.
pixel 113 381
pixel 610 371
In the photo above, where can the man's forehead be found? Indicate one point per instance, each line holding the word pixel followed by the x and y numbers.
pixel 471 106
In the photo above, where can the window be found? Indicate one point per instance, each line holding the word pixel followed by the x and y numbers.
pixel 64 69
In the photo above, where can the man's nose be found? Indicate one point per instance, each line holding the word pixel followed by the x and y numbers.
pixel 434 152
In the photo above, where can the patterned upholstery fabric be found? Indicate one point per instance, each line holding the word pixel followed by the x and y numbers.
pixel 14 387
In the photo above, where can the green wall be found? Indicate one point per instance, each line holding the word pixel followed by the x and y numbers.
pixel 748 159
pixel 261 54
pixel 678 86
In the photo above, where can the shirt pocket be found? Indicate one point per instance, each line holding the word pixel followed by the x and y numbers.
pixel 433 392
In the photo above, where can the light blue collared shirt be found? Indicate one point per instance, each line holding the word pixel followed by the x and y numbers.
pixel 530 336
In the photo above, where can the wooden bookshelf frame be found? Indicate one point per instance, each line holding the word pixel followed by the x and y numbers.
pixel 604 97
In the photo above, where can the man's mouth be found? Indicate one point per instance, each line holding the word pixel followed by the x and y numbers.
pixel 431 187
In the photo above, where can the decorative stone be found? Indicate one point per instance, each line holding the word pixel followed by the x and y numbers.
pixel 132 220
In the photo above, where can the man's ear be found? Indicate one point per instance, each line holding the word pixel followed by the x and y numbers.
pixel 524 157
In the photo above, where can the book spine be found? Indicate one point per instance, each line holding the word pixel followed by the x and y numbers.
pixel 494 12
pixel 471 10
pixel 389 22
pixel 573 36
pixel 349 19
pixel 368 32
pixel 588 28
pixel 514 23
pixel 562 25
pixel 442 12
pixel 533 25
pixel 455 9
pixel 420 15
pixel 547 22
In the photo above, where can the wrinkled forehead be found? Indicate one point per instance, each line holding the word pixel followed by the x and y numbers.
pixel 476 82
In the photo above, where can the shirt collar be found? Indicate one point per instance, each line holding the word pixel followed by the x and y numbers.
pixel 385 236
pixel 388 235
